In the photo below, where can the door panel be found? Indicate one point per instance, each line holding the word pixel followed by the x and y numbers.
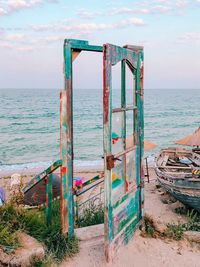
pixel 122 153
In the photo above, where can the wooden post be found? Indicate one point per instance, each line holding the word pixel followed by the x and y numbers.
pixel 147 169
pixel 66 122
pixel 49 198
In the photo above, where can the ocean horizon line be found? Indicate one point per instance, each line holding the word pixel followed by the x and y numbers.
pixel 25 88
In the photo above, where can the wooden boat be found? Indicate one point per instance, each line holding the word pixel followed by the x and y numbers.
pixel 36 194
pixel 178 172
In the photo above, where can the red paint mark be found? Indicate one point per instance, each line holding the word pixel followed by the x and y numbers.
pixel 114 140
pixel 63 170
pixel 126 185
pixel 106 105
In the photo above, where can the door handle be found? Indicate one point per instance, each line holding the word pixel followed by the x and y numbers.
pixel 117 159
pixel 110 161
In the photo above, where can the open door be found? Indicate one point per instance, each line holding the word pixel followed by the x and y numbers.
pixel 122 154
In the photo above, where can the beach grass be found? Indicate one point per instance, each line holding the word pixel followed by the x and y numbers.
pixel 174 231
pixel 149 228
pixel 92 215
pixel 9 225
pixel 14 218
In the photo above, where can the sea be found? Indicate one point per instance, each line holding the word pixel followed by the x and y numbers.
pixel 30 130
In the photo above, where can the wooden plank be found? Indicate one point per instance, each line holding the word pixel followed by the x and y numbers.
pixel 82 45
pixel 63 150
pixel 94 179
pixel 120 53
pixel 121 208
pixel 69 141
pixel 42 175
pixel 49 198
pixel 67 201
pixel 139 130
pixel 107 120
pixel 175 167
pixel 123 123
pixel 124 109
pixel 165 160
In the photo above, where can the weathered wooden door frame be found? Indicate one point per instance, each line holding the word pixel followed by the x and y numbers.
pixel 133 57
pixel 72 48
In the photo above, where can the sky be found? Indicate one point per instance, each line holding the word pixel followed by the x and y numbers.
pixel 32 35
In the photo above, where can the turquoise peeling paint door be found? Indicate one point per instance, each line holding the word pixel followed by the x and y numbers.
pixel 122 149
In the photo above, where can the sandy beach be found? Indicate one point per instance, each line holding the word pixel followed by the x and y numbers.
pixel 144 251
pixel 141 251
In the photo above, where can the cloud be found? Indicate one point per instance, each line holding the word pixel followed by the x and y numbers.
pixel 84 14
pixel 2 11
pixel 161 6
pixel 129 22
pixel 182 4
pixel 60 38
pixel 11 46
pixel 87 27
pixel 54 38
pixel 5 45
pixel 16 5
pixel 153 7
pixel 15 37
pixel 33 37
pixel 162 1
pixel 12 38
pixel 160 9
pixel 127 10
pixel 17 41
pixel 10 6
pixel 25 48
pixel 189 37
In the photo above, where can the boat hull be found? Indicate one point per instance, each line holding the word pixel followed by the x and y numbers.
pixel 36 195
pixel 186 190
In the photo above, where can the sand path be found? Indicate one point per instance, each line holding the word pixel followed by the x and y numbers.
pixel 140 252
pixel 143 252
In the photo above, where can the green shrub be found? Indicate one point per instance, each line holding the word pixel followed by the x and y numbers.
pixel 57 245
pixel 90 216
pixel 8 238
pixel 149 228
pixel 13 219
pixel 175 231
pixel 9 225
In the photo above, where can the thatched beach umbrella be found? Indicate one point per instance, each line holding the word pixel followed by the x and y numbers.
pixel 190 140
pixel 147 144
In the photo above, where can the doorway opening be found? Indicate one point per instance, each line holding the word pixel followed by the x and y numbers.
pixel 123 187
